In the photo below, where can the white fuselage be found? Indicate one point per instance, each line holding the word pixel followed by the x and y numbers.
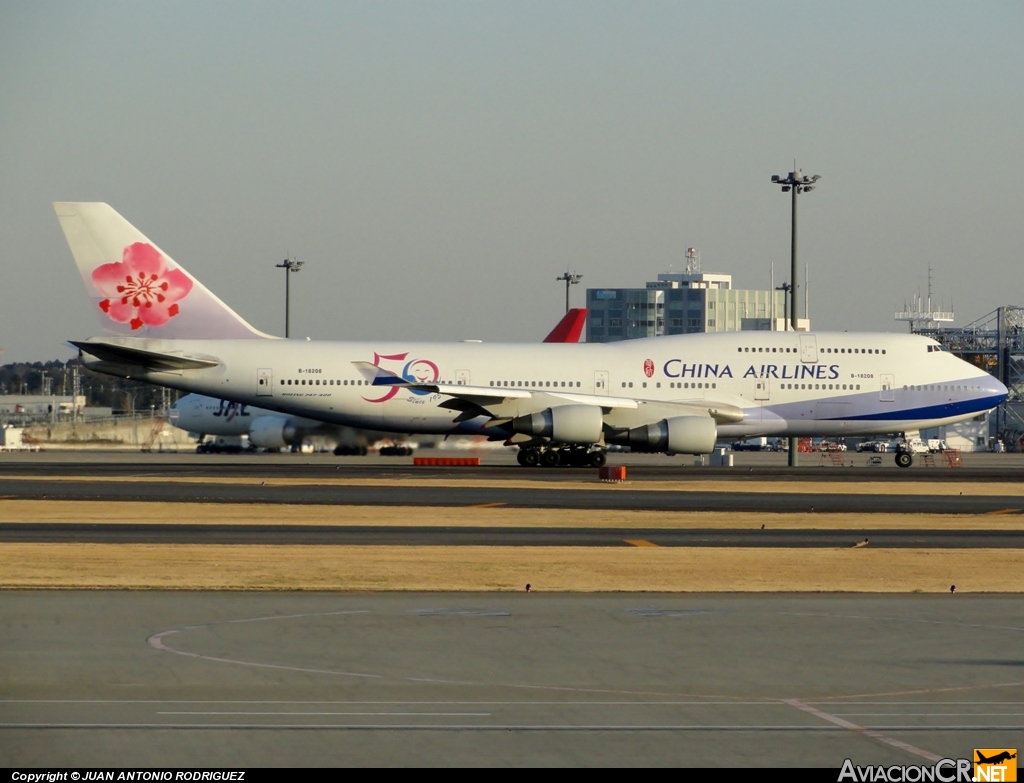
pixel 785 383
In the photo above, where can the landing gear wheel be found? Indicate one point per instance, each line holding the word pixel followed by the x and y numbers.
pixel 551 458
pixel 597 459
pixel 577 458
pixel 528 458
pixel 904 459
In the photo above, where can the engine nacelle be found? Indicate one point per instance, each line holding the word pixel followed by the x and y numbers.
pixel 678 435
pixel 272 432
pixel 563 424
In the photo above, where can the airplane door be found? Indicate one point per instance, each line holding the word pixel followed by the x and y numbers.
pixel 601 382
pixel 888 393
pixel 462 377
pixel 808 348
pixel 264 383
pixel 761 389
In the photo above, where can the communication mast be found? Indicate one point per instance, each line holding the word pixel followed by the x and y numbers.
pixel 693 260
pixel 922 314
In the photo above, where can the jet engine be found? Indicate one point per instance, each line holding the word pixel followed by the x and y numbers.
pixel 272 432
pixel 678 435
pixel 563 424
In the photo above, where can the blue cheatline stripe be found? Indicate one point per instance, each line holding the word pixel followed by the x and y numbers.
pixel 964 407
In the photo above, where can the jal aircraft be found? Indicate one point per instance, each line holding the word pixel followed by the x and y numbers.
pixel 558 403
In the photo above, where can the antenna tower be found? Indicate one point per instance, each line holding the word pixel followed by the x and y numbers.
pixel 693 260
pixel 921 314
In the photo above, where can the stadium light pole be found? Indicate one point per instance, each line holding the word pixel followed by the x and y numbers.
pixel 570 279
pixel 796 183
pixel 288 266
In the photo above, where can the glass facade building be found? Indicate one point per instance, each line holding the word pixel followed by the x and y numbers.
pixel 679 304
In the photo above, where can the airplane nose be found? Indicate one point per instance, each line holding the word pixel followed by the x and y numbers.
pixel 1000 390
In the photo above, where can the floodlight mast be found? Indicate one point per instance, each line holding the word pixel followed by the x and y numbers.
pixel 795 183
pixel 288 265
pixel 570 279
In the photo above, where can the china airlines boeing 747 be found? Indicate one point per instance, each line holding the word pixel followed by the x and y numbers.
pixel 557 402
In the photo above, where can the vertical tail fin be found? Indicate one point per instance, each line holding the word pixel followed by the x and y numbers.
pixel 136 288
pixel 568 330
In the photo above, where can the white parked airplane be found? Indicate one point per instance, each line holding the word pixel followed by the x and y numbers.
pixel 558 402
pixel 267 429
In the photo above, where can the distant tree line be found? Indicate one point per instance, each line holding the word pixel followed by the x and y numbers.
pixel 99 390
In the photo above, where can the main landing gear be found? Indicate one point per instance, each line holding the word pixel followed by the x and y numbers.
pixel 904 459
pixel 569 456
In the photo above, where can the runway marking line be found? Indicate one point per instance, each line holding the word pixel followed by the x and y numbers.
pixel 489 505
pixel 378 714
pixel 1005 511
pixel 872 733
pixel 569 727
pixel 930 714
pixel 639 542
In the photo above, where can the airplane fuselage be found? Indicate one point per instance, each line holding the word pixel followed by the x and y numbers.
pixel 785 383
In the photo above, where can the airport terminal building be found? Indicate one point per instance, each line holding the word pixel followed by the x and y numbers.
pixel 682 303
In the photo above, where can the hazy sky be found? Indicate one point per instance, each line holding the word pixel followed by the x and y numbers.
pixel 437 165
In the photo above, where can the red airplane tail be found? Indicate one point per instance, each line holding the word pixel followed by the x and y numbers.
pixel 569 329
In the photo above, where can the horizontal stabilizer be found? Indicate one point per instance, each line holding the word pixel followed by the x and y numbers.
pixel 136 357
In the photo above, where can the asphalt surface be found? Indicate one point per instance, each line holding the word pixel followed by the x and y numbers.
pixel 397 535
pixel 207 680
pixel 639 468
pixel 623 498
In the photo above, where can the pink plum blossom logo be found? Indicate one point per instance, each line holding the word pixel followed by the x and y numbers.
pixel 140 290
pixel 414 371
pixel 648 368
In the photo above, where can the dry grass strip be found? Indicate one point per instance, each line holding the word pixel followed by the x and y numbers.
pixel 471 516
pixel 441 568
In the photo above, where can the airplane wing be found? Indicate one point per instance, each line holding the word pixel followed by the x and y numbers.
pixel 502 403
pixel 476 401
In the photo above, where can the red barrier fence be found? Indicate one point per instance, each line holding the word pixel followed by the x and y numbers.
pixel 447 461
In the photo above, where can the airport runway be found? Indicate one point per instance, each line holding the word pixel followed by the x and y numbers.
pixel 623 497
pixel 496 467
pixel 182 679
pixel 399 535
